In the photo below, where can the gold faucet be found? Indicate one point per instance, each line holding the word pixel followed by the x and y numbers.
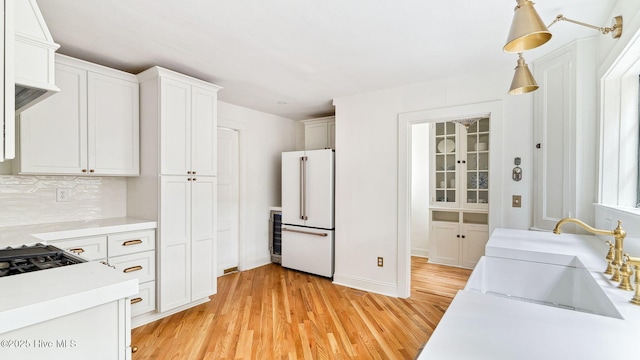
pixel 618 234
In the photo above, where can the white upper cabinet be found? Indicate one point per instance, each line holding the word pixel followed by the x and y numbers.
pixel 460 165
pixel 90 128
pixel 188 129
pixel 320 133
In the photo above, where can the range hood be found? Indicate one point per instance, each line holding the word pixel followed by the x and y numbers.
pixel 34 49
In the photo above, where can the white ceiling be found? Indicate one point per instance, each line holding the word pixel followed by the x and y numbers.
pixel 292 57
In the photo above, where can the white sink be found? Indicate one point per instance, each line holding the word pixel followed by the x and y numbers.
pixel 545 284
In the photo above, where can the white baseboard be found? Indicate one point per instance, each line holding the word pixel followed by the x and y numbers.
pixel 355 282
pixel 420 252
pixel 252 264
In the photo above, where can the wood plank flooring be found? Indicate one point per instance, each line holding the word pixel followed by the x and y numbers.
pixel 275 313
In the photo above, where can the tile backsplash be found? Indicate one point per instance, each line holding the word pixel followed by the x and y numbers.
pixel 28 200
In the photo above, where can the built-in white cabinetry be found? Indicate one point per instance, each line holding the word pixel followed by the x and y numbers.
pixel 320 133
pixel 458 238
pixel 178 185
pixel 565 135
pixel 91 127
pixel 132 253
pixel 188 249
pixel 459 183
pixel 188 132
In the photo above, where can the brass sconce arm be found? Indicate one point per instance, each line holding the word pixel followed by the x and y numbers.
pixel 615 28
pixel 618 234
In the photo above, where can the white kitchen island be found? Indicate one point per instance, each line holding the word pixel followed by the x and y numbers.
pixel 485 326
pixel 79 311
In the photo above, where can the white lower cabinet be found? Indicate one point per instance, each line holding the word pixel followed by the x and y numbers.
pixel 145 300
pixel 188 233
pixel 90 248
pixel 457 238
pixel 132 253
pixel 100 332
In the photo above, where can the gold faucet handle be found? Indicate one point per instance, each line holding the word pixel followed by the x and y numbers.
pixel 625 274
pixel 609 257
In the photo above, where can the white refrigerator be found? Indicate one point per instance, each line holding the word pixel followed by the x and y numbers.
pixel 307 211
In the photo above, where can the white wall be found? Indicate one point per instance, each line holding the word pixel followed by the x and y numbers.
pixel 367 168
pixel 263 137
pixel 420 190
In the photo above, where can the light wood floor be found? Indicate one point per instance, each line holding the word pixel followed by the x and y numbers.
pixel 274 313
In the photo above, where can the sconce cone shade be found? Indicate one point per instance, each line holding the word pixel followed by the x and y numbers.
pixel 527 29
pixel 523 82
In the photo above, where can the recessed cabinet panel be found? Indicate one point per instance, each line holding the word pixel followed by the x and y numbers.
pixel 175 122
pixel 445 246
pixel 204 132
pixel 175 248
pixel 53 133
pixel 473 244
pixel 113 125
pixel 204 247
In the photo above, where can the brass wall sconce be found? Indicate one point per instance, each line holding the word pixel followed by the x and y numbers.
pixel 529 32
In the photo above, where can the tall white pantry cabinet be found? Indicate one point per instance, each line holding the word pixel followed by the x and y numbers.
pixel 177 185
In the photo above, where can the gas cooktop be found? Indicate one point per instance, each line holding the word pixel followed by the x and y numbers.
pixel 24 259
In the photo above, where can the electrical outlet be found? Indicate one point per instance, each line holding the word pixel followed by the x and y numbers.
pixel 62 195
pixel 380 261
pixel 516 201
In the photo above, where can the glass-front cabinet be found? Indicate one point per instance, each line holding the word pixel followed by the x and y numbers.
pixel 459 189
pixel 477 163
pixel 446 161
pixel 460 164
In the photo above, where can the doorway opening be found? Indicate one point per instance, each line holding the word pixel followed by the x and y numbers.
pixel 406 215
pixel 228 201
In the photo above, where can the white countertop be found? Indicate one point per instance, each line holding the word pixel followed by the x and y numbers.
pixel 39 296
pixel 479 326
pixel 30 234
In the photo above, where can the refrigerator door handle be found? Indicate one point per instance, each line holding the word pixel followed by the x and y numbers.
pixel 305 232
pixel 303 187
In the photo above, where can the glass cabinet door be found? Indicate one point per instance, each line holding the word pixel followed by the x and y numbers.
pixel 445 163
pixel 477 174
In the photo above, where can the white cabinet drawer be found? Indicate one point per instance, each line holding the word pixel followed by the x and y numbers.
pixel 145 300
pixel 141 266
pixel 131 242
pixel 90 248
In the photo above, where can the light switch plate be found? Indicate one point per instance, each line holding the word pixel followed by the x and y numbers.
pixel 516 201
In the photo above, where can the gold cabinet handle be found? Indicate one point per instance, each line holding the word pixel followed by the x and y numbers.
pixel 77 250
pixel 133 268
pixel 136 300
pixel 132 242
pixel 134 349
